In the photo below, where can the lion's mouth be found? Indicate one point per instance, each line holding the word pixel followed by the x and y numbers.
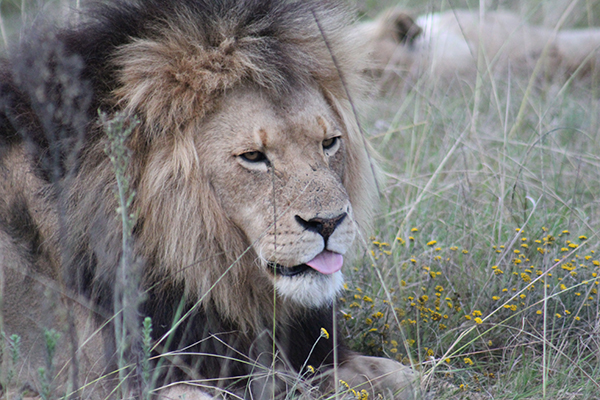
pixel 280 270
pixel 325 263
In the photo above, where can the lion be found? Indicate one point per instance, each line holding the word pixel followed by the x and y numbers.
pixel 243 183
pixel 447 45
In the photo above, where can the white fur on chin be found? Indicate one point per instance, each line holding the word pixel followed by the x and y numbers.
pixel 312 290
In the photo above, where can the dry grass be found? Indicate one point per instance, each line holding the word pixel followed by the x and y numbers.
pixel 484 268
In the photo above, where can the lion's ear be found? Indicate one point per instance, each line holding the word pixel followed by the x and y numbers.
pixel 406 29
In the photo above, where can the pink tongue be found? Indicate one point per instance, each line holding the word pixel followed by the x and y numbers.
pixel 327 262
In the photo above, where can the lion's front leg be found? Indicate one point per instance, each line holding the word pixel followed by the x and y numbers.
pixel 379 376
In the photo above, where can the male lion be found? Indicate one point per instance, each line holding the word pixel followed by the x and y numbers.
pixel 246 183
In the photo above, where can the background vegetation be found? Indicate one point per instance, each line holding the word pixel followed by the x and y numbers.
pixel 483 268
pixel 482 271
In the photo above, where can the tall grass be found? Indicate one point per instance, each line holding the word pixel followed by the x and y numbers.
pixel 484 268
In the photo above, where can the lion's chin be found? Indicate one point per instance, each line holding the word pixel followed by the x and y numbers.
pixel 310 288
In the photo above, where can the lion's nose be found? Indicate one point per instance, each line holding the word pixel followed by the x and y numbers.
pixel 322 226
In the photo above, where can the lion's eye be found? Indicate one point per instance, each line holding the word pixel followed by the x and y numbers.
pixel 328 144
pixel 253 156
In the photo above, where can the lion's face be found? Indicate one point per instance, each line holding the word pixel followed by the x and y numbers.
pixel 281 185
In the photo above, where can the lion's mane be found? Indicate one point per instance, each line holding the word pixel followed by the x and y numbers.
pixel 168 63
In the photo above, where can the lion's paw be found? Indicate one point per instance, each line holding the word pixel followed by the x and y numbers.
pixel 184 392
pixel 379 376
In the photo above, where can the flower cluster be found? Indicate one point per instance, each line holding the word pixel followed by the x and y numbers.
pixel 416 312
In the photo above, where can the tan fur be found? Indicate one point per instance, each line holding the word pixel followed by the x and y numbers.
pixel 451 41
